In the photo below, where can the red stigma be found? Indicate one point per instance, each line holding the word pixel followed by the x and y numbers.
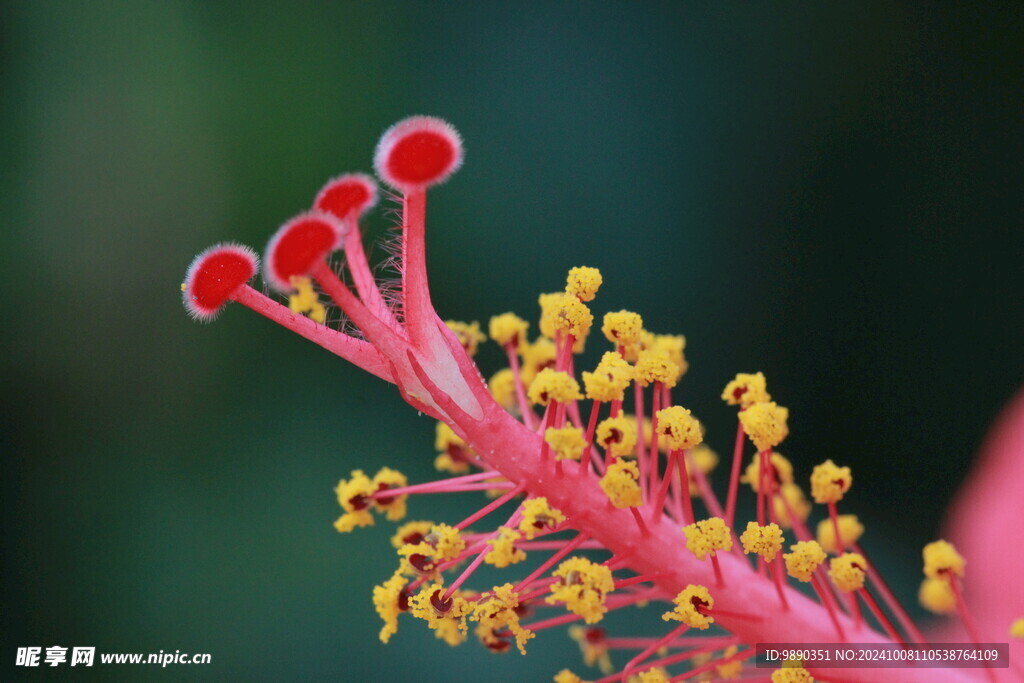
pixel 297 246
pixel 347 195
pixel 214 276
pixel 418 152
pixel 420 157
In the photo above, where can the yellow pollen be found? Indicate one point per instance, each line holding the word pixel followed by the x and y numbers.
pixel 936 596
pixel 445 438
pixel 805 558
pixel 537 516
pixel 746 390
pixel 496 611
pixel 1017 628
pixel 453 453
pixel 686 604
pixel 766 424
pixel 765 541
pixel 792 671
pixel 537 356
pixel 656 366
pixel 594 651
pixel 447 541
pixel 583 283
pixel 847 571
pixel 674 345
pixel 503 388
pixel 941 558
pixel 653 675
pixel 731 669
pixel 582 586
pixel 385 601
pixel 554 385
pixel 610 379
pixel 617 434
pixel 566 676
pixel 850 530
pixel 622 328
pixel 508 329
pixel 707 536
pixel 643 343
pixel 619 483
pixel 468 334
pixel 549 304
pixel 305 300
pixel 561 312
pixel 791 498
pixel 567 442
pixel 701 659
pixel 679 429
pixel 354 497
pixel 503 549
pixel 829 482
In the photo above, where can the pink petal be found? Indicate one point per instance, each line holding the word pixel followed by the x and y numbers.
pixel 985 524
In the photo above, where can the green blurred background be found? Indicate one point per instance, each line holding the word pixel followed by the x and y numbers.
pixel 830 194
